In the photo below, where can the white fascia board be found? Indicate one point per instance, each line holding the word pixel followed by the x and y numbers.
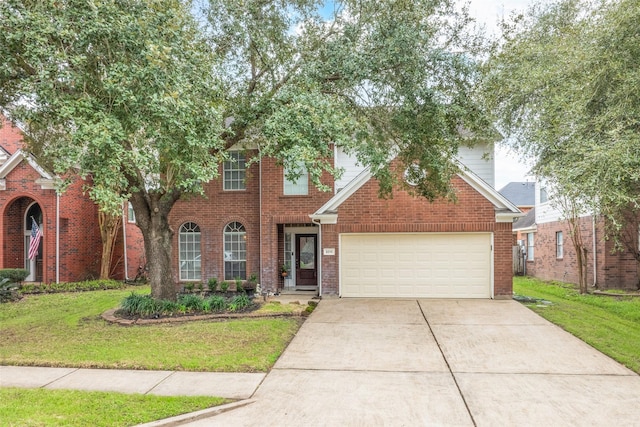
pixel 526 230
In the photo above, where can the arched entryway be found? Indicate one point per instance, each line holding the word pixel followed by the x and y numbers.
pixel 19 219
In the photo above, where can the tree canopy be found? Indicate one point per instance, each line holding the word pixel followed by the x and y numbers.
pixel 563 84
pixel 146 99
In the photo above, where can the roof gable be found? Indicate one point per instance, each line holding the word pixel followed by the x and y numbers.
pixel 46 180
pixel 505 210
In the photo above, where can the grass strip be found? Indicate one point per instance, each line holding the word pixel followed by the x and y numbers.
pixel 609 324
pixel 71 408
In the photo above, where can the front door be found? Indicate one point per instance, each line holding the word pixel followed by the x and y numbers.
pixel 306 260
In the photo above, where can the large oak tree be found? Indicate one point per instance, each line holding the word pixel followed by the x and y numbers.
pixel 147 99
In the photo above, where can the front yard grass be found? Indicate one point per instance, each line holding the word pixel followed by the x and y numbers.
pixel 609 324
pixel 66 330
pixel 70 408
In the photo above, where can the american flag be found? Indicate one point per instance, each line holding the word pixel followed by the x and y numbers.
pixel 36 235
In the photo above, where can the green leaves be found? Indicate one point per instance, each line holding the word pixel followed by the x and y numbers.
pixel 564 86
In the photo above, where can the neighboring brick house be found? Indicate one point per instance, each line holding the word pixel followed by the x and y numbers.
pixel 70 246
pixel 551 255
pixel 348 242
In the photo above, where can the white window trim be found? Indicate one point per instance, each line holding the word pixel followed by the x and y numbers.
pixel 559 245
pixel 232 230
pixel 191 232
pixel 530 248
pixel 300 187
pixel 231 166
pixel 131 214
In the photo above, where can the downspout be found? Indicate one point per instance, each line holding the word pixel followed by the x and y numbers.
pixel 57 237
pixel 125 219
pixel 260 214
pixel 595 254
pixel 319 224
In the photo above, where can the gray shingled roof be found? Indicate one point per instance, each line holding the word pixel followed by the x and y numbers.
pixel 520 193
pixel 526 221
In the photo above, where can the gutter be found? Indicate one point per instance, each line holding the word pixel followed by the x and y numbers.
pixel 57 237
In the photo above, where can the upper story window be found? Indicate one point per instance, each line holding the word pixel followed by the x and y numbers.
pixel 544 196
pixel 234 171
pixel 559 245
pixel 189 251
pixel 300 186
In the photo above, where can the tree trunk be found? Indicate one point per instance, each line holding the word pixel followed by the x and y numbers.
pixel 152 216
pixel 108 231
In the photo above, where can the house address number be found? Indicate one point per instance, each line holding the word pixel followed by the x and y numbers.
pixel 329 251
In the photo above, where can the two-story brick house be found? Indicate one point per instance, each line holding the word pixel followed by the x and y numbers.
pixel 70 246
pixel 348 242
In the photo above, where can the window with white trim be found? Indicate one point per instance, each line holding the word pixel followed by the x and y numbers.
pixel 299 186
pixel 529 246
pixel 544 195
pixel 559 245
pixel 189 251
pixel 235 251
pixel 234 172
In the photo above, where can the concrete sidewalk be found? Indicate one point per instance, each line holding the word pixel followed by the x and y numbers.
pixel 162 383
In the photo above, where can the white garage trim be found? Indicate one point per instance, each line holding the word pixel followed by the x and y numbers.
pixel 416 265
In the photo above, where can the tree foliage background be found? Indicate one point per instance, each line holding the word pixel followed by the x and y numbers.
pixel 563 85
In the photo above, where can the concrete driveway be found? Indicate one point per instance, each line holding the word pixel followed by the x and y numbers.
pixel 365 362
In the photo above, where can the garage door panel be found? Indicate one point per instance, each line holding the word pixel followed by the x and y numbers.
pixel 416 265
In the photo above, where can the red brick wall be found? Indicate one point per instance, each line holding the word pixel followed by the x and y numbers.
pixel 79 238
pixel 79 232
pixel 278 209
pixel 614 269
pixel 10 136
pixel 212 212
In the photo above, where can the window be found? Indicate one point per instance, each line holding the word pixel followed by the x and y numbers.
pixel 189 251
pixel 559 245
pixel 299 186
pixel 544 196
pixel 235 251
pixel 131 214
pixel 530 247
pixel 234 171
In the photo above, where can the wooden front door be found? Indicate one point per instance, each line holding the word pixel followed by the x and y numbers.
pixel 306 260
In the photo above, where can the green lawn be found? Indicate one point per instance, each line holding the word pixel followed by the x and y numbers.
pixel 610 324
pixel 70 408
pixel 67 330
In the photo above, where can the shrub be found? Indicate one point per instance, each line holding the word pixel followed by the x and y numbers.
pixel 239 302
pixel 89 285
pixel 140 305
pixel 215 303
pixel 191 302
pixel 224 286
pixel 213 284
pixel 239 287
pixel 8 291
pixel 14 274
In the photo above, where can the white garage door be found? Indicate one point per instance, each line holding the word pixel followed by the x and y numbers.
pixel 421 265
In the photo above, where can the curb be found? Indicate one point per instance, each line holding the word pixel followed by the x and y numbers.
pixel 199 415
